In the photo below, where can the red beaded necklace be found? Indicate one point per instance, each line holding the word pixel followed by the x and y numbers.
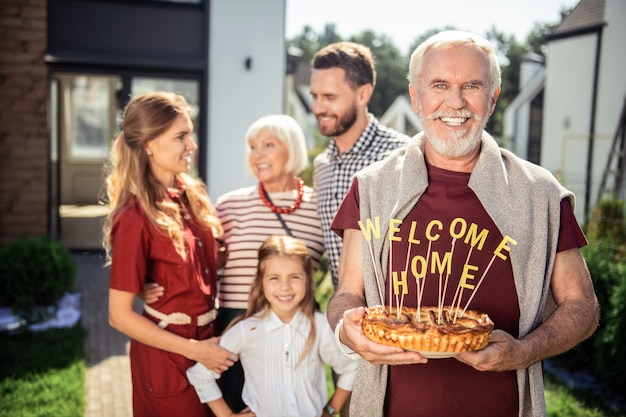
pixel 282 210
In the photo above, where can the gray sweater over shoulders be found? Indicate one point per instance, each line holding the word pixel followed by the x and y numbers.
pixel 523 200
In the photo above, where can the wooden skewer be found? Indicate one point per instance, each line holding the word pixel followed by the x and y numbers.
pixel 368 237
pixel 459 290
pixel 420 292
pixel 478 285
pixel 406 269
pixel 445 285
pixel 380 292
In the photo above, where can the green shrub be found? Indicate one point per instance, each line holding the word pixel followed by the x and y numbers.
pixel 34 274
pixel 604 354
pixel 606 260
pixel 610 341
pixel 608 221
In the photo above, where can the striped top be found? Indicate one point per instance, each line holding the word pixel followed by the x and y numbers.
pixel 247 222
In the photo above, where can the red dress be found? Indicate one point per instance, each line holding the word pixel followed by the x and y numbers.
pixel 141 254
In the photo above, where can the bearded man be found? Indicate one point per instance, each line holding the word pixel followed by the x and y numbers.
pixel 453 205
pixel 342 81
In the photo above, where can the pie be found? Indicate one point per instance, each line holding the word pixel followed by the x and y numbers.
pixel 431 331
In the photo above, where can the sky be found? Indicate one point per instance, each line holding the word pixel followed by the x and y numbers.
pixel 405 20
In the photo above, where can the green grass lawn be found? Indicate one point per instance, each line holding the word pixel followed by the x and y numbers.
pixel 563 401
pixel 43 373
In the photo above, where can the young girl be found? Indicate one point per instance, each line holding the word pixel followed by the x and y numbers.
pixel 282 343
pixel 162 229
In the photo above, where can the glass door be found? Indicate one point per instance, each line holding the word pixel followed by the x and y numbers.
pixel 85 114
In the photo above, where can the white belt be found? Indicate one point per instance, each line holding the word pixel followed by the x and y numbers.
pixel 180 318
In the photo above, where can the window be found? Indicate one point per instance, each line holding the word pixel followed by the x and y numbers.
pixel 87 121
pixel 85 115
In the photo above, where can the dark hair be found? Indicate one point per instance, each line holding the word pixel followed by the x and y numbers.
pixel 355 59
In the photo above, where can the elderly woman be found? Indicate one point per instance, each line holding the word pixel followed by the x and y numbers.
pixel 279 204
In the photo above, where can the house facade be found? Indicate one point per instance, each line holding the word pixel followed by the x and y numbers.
pixel 68 67
pixel 569 112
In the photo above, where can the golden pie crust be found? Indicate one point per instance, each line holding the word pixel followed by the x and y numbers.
pixel 431 332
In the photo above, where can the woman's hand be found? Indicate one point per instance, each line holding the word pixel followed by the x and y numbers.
pixel 152 291
pixel 245 413
pixel 221 409
pixel 210 354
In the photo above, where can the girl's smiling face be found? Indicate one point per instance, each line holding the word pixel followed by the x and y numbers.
pixel 284 285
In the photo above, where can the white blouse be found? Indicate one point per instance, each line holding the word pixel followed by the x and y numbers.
pixel 276 383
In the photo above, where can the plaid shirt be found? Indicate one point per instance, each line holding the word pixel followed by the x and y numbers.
pixel 332 177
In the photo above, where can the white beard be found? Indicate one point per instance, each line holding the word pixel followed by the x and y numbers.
pixel 457 146
pixel 460 143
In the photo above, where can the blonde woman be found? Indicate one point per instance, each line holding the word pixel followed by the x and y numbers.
pixel 162 229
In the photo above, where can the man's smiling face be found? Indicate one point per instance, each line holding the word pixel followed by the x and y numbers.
pixel 453 98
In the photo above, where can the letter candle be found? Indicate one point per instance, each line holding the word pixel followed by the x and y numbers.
pixel 368 236
pixel 433 262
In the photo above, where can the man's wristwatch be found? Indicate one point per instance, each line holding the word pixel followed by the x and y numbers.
pixel 330 410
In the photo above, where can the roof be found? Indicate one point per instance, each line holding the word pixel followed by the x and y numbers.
pixel 587 16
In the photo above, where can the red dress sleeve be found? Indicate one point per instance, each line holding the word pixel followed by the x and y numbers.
pixel 130 251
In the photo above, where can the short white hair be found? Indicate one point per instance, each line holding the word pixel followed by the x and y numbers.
pixel 289 132
pixel 449 39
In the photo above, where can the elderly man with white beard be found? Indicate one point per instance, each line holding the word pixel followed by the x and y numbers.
pixel 450 200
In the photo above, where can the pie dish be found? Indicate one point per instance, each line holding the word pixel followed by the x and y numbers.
pixel 434 332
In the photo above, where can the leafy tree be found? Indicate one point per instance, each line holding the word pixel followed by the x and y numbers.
pixel 329 35
pixel 309 41
pixel 538 37
pixel 306 42
pixel 392 64
pixel 511 54
pixel 391 69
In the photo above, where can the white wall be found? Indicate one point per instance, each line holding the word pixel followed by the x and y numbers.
pixel 568 95
pixel 567 100
pixel 612 72
pixel 612 85
pixel 241 29
pixel 517 113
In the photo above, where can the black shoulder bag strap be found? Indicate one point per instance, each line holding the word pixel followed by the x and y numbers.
pixel 282 221
pixel 278 216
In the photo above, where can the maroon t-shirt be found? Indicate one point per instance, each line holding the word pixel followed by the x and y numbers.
pixel 448 237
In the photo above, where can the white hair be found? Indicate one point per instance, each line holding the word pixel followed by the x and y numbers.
pixel 289 132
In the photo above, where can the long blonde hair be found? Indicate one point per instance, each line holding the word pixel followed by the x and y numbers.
pixel 294 249
pixel 145 117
